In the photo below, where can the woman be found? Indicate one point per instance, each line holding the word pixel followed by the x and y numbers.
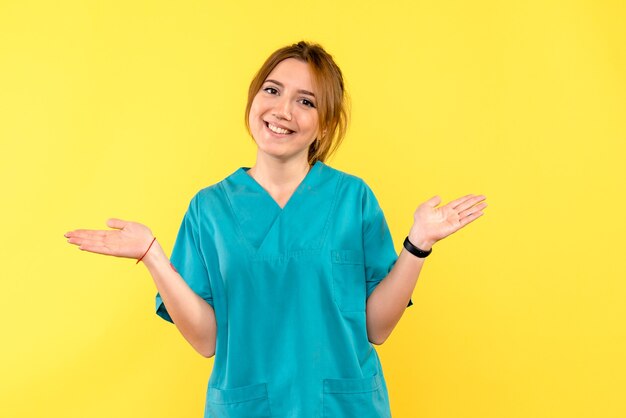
pixel 286 271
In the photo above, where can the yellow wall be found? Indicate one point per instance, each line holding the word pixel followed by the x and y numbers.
pixel 126 109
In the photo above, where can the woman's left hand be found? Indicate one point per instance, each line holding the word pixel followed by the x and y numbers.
pixel 432 223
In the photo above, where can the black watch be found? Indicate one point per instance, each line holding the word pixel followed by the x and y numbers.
pixel 416 251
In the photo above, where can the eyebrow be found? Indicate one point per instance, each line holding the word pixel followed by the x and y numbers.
pixel 279 84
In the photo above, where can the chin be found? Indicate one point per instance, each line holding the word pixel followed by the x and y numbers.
pixel 278 155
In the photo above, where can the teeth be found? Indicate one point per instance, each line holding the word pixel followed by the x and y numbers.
pixel 277 129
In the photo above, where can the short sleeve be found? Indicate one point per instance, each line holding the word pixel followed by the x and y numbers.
pixel 187 259
pixel 379 252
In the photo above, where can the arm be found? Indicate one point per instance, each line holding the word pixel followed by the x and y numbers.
pixel 192 315
pixel 389 299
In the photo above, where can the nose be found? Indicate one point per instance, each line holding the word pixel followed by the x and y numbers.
pixel 282 110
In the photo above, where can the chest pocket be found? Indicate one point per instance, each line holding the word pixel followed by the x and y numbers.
pixel 349 286
pixel 244 402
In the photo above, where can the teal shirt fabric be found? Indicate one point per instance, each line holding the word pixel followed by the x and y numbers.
pixel 289 289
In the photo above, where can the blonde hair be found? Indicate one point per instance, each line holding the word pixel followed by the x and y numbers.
pixel 332 100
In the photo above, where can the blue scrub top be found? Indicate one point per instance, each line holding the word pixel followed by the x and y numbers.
pixel 289 289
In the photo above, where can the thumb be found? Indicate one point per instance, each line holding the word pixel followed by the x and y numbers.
pixel 116 223
pixel 433 201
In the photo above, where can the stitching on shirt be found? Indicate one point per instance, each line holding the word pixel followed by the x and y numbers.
pixel 333 207
pixel 240 235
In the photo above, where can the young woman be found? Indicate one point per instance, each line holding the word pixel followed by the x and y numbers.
pixel 286 271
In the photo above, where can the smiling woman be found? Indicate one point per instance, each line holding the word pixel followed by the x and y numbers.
pixel 318 84
pixel 286 271
pixel 283 119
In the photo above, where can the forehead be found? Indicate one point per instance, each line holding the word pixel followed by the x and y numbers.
pixel 293 73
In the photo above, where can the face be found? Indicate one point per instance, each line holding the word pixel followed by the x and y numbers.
pixel 283 115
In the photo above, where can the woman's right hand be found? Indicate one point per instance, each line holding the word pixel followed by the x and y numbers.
pixel 128 239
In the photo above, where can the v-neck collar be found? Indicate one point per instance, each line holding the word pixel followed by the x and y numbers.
pixel 242 173
pixel 269 231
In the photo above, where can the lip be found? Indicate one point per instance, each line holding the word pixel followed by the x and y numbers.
pixel 278 125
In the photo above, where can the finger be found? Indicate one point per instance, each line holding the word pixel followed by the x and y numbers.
pixel 453 204
pixel 85 240
pixel 116 223
pixel 469 202
pixel 433 201
pixel 96 248
pixel 86 233
pixel 473 209
pixel 470 218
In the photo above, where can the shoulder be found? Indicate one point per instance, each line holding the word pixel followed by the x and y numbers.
pixel 353 190
pixel 213 193
pixel 208 192
pixel 348 180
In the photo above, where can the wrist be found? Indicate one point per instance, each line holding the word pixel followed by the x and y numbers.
pixel 416 251
pixel 154 255
pixel 419 241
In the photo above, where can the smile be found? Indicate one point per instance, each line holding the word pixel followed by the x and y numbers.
pixel 278 130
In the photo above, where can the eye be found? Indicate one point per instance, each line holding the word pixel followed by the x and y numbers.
pixel 270 90
pixel 307 103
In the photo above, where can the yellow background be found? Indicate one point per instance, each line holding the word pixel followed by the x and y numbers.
pixel 126 109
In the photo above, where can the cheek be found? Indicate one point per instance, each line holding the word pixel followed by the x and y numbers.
pixel 314 123
pixel 257 104
pixel 253 117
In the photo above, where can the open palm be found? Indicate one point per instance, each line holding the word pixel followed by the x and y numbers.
pixel 128 239
pixel 434 223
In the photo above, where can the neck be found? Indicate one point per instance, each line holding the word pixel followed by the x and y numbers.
pixel 274 173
